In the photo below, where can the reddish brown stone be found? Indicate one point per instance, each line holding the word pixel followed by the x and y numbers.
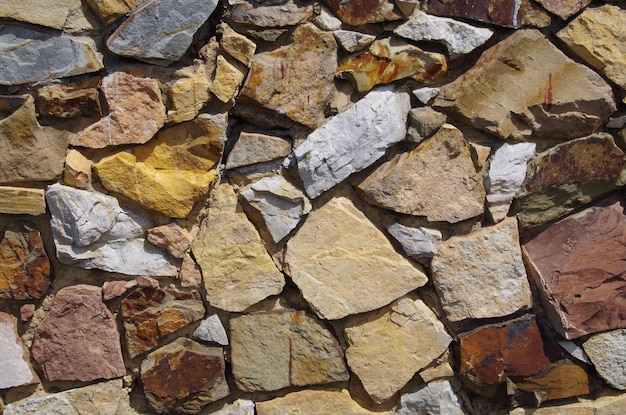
pixel 190 274
pixel 171 238
pixel 79 341
pixel 562 379
pixel 564 8
pixel 358 12
pixel 578 265
pixel 27 311
pixel 114 289
pixel 24 265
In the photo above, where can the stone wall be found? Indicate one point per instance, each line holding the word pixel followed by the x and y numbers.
pixel 335 207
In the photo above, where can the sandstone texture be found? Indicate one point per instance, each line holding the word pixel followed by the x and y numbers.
pixel 77 171
pixel 14 363
pixel 423 122
pixel 110 10
pixel 22 200
pixel 313 402
pixel 558 380
pixel 67 15
pixel 170 237
pixel 353 41
pixel 272 14
pixel 564 8
pixel 354 12
pixel 252 148
pixel 607 351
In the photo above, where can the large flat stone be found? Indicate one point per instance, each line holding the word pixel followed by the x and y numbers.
pixel 22 200
pixel 14 362
pixel 604 405
pixel 559 380
pixel 253 148
pixel 67 15
pixel 314 401
pixel 272 14
pixel 355 12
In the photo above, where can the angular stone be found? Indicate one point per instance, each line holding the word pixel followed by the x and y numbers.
pixel 14 362
pixel 228 79
pixel 355 12
pixel 77 171
pixel 184 376
pixel 388 347
pixel 239 407
pixel 418 243
pixel 24 265
pixel 353 41
pixel 559 380
pixel 190 274
pixel 111 10
pixel 252 148
pixel 65 101
pixel 426 94
pixel 238 272
pixel 91 230
pixel 325 20
pixel 149 314
pixel 314 401
pixel 64 55
pixel 236 45
pixel 436 398
pixel 598 37
pixel 280 205
pixel 605 405
pixel 506 175
pixel 22 200
pixel 136 113
pixel 340 275
pixel 437 180
pixel 566 176
pixel 138 36
pixel 352 140
pixel 27 152
pixel 170 237
pixel 188 95
pixel 459 38
pixel 278 349
pixel 211 330
pixel 423 123
pixel 114 289
pixel 272 14
pixel 481 275
pixel 388 60
pixel 27 311
pixel 65 15
pixel 524 86
pixel 295 80
pixel 78 340
pixel 607 351
pixel 564 8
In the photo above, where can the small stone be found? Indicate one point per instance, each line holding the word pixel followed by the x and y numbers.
pixel 607 351
pixel 184 376
pixel 314 401
pixel 326 21
pixel 279 349
pixel 438 369
pixel 149 314
pixel 66 15
pixel 564 8
pixel 190 274
pixel 423 123
pixel 144 281
pixel 352 140
pixel 228 79
pixel 170 237
pixel 575 351
pixel 211 330
pixel 236 45
pixel 77 171
pixel 459 38
pixel 22 200
pixel 426 94
pixel 480 154
pixel 188 95
pixel 27 311
pixel 111 10
pixel 353 41
pixel 114 289
pixel 435 398
pixel 356 13
pixel 78 340
pixel 418 243
pixel 253 148
pixel 65 101
pixel 559 380
pixel 14 362
pixel 239 407
pixel 272 14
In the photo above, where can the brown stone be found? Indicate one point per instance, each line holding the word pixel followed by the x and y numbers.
pixel 24 265
pixel 577 263
pixel 78 341
pixel 564 8
pixel 27 311
pixel 559 380
pixel 170 237
pixel 114 289
pixel 149 314
pixel 190 274
pixel 184 376
pixel 22 200
pixel 110 10
pixel 358 12
pixel 252 148
pixel 61 101
pixel 77 171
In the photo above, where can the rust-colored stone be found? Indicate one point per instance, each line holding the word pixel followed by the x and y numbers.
pixel 358 12
pixel 562 379
pixel 68 102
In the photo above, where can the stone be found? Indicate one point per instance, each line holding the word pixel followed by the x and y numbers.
pixel 27 311
pixel 278 349
pixel 280 205
pixel 77 172
pixel 564 8
pixel 68 101
pixel 482 275
pixel 25 271
pixel 184 376
pixel 138 37
pixel 607 351
pixel 340 275
pixel 559 98
pixel 149 314
pixel 188 95
pixel 239 407
pixel 421 182
pixel 28 153
pixel 211 330
pixel 459 38
pixel 78 340
pixel 144 281
pixel 272 15
pixel 171 172
pixel 353 41
pixel 170 237
pixel 252 148
pixel 237 45
pixel 111 10
pixel 314 401
pixel 426 94
pixel 388 60
pixel 387 348
pixel 22 200
pixel 136 113
pixel 355 13
pixel 114 289
pixel 569 175
pixel 190 274
pixel 559 380
pixel 435 398
pixel 64 55
pixel 597 36
pixel 440 368
pixel 423 123
pixel 91 230
pixel 604 405
pixel 418 243
pixel 228 79
pixel 294 80
pixel 326 21
pixel 14 362
pixel 575 351
pixel 507 171
pixel 238 272
pixel 353 140
pixel 66 15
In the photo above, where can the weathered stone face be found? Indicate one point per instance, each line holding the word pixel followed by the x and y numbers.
pixel 14 363
pixel 607 351
pixel 358 12
pixel 309 401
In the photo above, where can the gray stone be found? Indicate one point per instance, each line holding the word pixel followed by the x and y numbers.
pixel 418 243
pixel 91 230
pixel 271 14
pixel 436 398
pixel 353 41
pixel 211 330
pixel 426 94
pixel 423 123
pixel 325 20
pixel 253 148
pixel 14 363
pixel 239 407
pixel 607 351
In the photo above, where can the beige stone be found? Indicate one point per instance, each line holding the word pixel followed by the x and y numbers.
pixel 339 274
pixel 564 8
pixel 66 15
pixel 236 45
pixel 314 402
pixel 77 171
pixel 228 79
pixel 437 180
pixel 252 148
pixel 604 405
pixel 387 347
pixel 110 10
pixel 187 96
pixel 22 200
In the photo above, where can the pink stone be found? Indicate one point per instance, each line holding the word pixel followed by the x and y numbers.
pixel 190 274
pixel 171 238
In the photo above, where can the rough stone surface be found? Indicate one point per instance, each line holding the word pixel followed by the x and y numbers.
pixel 388 347
pixel 559 380
pixel 325 20
pixel 114 289
pixel 607 351
pixel 355 12
pixel 190 273
pixel 228 79
pixel 564 8
pixel 111 10
pixel 252 148
pixel 78 340
pixel 27 311
pixel 419 242
pixel 67 15
pixel 423 123
pixel 211 330
pixel 314 402
pixel 353 41
pixel 236 45
pixel 272 14
pixel 14 362
pixel 459 38
pixel 64 55
pixel 605 405
pixel 136 113
pixel 25 271
pixel 238 272
pixel 188 95
pixel 91 230
pixel 340 275
pixel 525 86
pixel 239 407
pixel 481 275
pixel 277 349
pixel 170 237
pixel 77 172
pixel 68 101
pixel 423 181
pixel 436 398
pixel 140 38
pixel 22 200
pixel 352 140
pixel 184 376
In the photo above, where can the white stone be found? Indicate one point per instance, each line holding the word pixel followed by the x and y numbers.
pixel 326 21
pixel 437 398
pixel 211 330
pixel 352 140
pixel 353 41
pixel 607 351
pixel 239 407
pixel 426 94
pixel 458 37
pixel 506 175
pixel 15 370
pixel 417 242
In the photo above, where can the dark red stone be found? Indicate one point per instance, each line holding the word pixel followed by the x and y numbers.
pixel 359 12
pixel 509 13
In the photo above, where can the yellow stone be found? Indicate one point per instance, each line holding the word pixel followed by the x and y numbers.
pixel 22 200
pixel 110 10
pixel 187 96
pixel 77 171
pixel 228 79
pixel 236 45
